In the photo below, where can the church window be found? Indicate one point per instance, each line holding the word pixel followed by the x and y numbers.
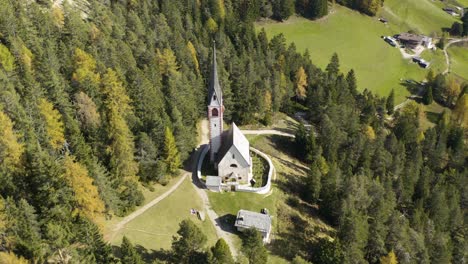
pixel 233 166
pixel 214 97
pixel 214 112
pixel 239 178
pixel 233 156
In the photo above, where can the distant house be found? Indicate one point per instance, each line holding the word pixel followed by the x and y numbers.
pixel 450 11
pixel 248 219
pixel 412 41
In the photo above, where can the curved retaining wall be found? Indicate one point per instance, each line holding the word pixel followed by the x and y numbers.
pixel 260 190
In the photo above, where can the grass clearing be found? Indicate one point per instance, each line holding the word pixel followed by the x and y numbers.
pixel 422 16
pixel 378 66
pixel 459 59
pixel 154 229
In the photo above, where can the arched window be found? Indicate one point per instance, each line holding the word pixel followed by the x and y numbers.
pixel 233 166
pixel 214 97
pixel 214 112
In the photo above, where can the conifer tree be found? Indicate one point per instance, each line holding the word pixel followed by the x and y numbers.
pixel 172 157
pixel 222 253
pixel 129 253
pixel 189 242
pixel 460 113
pixel 10 147
pixel 253 248
pixel 427 98
pixel 390 104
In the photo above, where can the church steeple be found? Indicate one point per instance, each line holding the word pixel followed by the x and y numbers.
pixel 215 110
pixel 215 94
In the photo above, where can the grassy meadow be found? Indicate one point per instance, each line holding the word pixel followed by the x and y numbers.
pixel 422 16
pixel 459 58
pixel 356 38
pixel 154 229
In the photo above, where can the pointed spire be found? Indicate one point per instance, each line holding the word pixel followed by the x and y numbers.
pixel 215 88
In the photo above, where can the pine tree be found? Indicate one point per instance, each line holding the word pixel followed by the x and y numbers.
pixel 352 83
pixel 129 253
pixel 460 112
pixel 313 184
pixel 189 242
pixel 427 98
pixel 253 248
pixel 390 104
pixel 171 155
pixel 222 253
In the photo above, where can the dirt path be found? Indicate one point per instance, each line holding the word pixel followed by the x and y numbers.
pixel 447 57
pixel 147 206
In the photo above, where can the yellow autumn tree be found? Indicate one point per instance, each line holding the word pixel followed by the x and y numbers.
pixel 166 61
pixel 301 83
pixel 193 54
pixel 58 16
pixel 117 105
pixel 452 90
pixel 26 57
pixel 53 124
pixel 211 25
pixel 10 149
pixel 85 68
pixel 7 61
pixel 389 259
pixel 460 112
pixel 86 194
pixel 369 132
pixel 11 258
pixel 267 100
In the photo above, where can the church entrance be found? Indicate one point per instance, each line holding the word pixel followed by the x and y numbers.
pixel 233 188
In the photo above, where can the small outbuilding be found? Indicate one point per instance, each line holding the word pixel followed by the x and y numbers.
pixel 248 219
pixel 213 183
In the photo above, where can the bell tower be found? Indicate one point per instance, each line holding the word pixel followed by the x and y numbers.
pixel 215 109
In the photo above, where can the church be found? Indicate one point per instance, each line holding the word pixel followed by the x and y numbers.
pixel 229 150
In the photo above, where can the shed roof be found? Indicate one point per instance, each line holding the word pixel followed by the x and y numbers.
pixel 234 138
pixel 213 181
pixel 249 219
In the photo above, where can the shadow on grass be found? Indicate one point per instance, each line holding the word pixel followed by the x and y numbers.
pixel 150 255
pixel 226 222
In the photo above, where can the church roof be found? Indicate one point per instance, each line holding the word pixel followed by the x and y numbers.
pixel 234 138
pixel 215 88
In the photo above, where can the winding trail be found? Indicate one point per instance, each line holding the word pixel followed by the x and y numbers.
pixel 447 57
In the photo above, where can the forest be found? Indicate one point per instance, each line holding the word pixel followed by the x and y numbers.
pixel 100 97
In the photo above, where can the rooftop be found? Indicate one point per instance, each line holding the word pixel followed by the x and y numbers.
pixel 410 37
pixel 213 181
pixel 249 219
pixel 234 137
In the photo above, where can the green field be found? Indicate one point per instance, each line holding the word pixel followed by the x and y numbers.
pixel 459 59
pixel 422 16
pixel 379 67
pixel 154 229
